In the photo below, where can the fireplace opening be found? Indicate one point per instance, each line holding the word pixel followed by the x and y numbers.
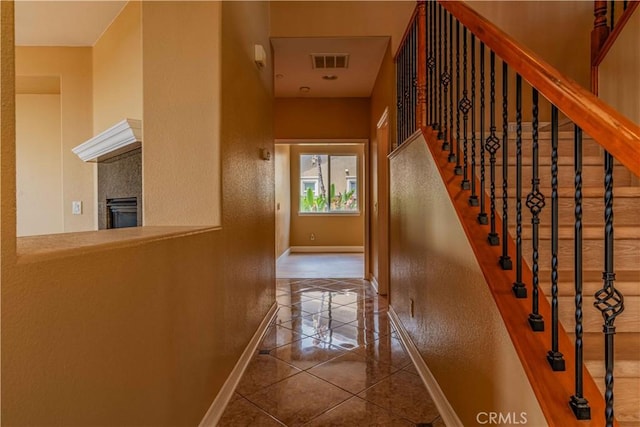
pixel 122 212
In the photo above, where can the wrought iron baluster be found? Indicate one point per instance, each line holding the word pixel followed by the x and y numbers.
pixel 445 79
pixel 438 124
pixel 414 75
pixel 458 169
pixel 579 405
pixel 609 300
pixel 399 98
pixel 482 216
pixel 493 145
pixel 519 289
pixel 431 62
pixel 464 105
pixel 613 15
pixel 407 89
pixel 452 156
pixel 535 203
pixel 473 199
pixel 554 357
pixel 505 259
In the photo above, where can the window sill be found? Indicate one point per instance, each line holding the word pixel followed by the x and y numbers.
pixel 312 214
pixel 41 248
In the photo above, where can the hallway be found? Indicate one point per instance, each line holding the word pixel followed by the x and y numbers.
pixel 331 357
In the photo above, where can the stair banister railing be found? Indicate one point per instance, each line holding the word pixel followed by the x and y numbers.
pixel 619 137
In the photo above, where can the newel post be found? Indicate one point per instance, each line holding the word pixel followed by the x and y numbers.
pixel 421 78
pixel 600 30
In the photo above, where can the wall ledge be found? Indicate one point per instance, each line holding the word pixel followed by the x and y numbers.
pixel 51 246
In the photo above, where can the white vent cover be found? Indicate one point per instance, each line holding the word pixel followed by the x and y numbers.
pixel 323 61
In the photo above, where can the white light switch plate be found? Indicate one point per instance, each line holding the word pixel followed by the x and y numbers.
pixel 76 208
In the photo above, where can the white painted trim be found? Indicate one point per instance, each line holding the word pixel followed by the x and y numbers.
pixel 221 401
pixel 324 249
pixel 322 141
pixel 284 255
pixel 118 139
pixel 448 415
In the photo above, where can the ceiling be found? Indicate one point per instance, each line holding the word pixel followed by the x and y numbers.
pixel 81 23
pixel 63 23
pixel 293 66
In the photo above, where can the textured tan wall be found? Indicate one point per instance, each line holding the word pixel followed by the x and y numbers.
pixel 181 102
pixel 283 197
pixel 140 335
pixel 619 85
pixel 316 118
pixel 117 70
pixel 73 65
pixel 457 327
pixel 39 164
pixel 341 18
pixel 330 229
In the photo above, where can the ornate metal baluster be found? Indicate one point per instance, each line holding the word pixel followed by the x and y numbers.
pixel 482 216
pixel 535 203
pixel 408 88
pixel 554 357
pixel 452 157
pixel 445 79
pixel 518 287
pixel 609 300
pixel 473 199
pixel 613 15
pixel 493 145
pixel 464 105
pixel 399 98
pixel 505 259
pixel 431 62
pixel 578 403
pixel 439 102
pixel 413 54
pixel 458 169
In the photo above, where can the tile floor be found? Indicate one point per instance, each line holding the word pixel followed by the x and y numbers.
pixel 313 265
pixel 330 358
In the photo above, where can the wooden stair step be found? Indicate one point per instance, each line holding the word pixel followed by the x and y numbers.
pixel 591 176
pixel 626 400
pixel 626 253
pixel 626 354
pixel 596 275
pixel 589 288
pixel 628 321
pixel 589 232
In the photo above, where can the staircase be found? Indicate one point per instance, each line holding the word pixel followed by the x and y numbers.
pixel 626 249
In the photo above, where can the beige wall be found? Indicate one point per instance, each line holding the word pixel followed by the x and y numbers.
pixel 73 66
pixel 558 31
pixel 457 327
pixel 619 85
pixel 283 197
pixel 153 345
pixel 313 118
pixel 117 70
pixel 342 18
pixel 328 229
pixel 179 106
pixel 38 152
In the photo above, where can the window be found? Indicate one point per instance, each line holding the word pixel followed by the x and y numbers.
pixel 328 183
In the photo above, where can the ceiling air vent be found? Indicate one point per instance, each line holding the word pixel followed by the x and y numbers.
pixel 323 61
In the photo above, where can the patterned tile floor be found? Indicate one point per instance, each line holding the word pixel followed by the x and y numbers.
pixel 330 358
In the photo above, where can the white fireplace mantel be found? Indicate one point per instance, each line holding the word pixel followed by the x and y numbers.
pixel 118 139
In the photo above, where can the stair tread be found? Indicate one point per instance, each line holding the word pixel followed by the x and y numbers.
pixel 589 232
pixel 627 346
pixel 568 191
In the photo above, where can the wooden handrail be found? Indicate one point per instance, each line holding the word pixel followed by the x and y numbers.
pixel 613 131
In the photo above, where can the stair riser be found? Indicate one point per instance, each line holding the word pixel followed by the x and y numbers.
pixel 628 321
pixel 626 397
pixel 626 254
pixel 592 176
pixel 565 147
pixel 566 286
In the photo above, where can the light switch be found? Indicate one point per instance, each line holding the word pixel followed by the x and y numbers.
pixel 76 207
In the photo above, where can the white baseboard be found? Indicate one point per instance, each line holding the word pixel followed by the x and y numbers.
pixel 284 255
pixel 216 409
pixel 448 415
pixel 326 249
